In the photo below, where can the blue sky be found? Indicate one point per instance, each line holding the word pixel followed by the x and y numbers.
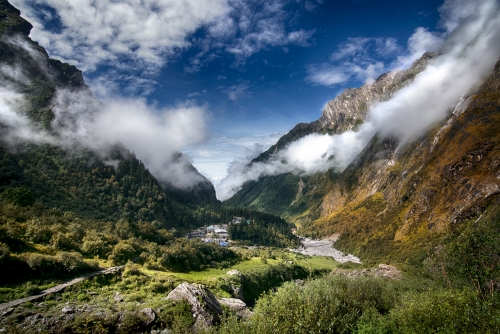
pixel 256 68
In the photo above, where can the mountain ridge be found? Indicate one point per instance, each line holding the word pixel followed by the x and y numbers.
pixel 75 178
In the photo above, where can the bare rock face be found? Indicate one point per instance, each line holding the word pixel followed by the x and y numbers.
pixel 237 306
pixel 204 306
pixel 350 108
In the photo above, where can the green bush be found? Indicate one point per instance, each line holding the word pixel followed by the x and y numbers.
pixel 4 252
pixel 440 311
pixel 38 232
pixel 72 262
pixel 95 243
pixel 45 265
pixel 332 304
pixel 185 255
pixel 19 196
pixel 122 252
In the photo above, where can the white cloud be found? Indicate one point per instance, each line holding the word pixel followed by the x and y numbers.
pixel 154 135
pixel 255 25
pixel 468 56
pixel 101 32
pixel 355 59
pixel 141 36
pixel 15 126
pixel 237 91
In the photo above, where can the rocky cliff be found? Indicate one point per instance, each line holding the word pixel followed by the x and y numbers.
pixel 298 198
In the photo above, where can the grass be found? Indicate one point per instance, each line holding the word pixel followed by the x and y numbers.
pixel 251 265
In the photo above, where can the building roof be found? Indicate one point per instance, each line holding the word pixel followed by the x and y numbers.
pixel 219 230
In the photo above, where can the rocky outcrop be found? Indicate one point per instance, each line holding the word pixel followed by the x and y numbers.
pixel 237 306
pixel 204 306
pixel 235 279
pixel 383 270
pixel 349 109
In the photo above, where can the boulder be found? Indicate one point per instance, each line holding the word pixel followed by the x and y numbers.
pixel 150 314
pixel 237 306
pixel 386 270
pixel 118 298
pixel 234 272
pixel 204 306
pixel 67 310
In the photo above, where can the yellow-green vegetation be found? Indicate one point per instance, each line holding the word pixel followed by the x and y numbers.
pixel 336 304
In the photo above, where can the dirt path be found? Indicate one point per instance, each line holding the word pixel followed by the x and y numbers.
pixel 324 248
pixel 5 306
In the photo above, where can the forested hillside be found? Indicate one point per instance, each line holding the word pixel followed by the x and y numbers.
pixel 108 185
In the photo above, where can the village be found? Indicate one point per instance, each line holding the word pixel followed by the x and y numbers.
pixel 216 233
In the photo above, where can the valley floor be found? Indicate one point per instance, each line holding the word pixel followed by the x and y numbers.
pixel 324 247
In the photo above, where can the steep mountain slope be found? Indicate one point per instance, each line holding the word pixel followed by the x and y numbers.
pixel 293 196
pixel 395 198
pixel 96 185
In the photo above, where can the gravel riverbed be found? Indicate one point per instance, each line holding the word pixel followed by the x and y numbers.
pixel 324 248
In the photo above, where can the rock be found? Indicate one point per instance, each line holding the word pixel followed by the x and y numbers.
pixel 165 331
pixel 204 306
pixel 383 270
pixel 234 272
pixel 7 312
pixel 237 306
pixel 389 271
pixel 236 292
pixel 33 319
pixel 67 310
pixel 299 282
pixel 93 293
pixel 118 298
pixel 150 314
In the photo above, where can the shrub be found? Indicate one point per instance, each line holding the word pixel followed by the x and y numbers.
pixel 95 243
pixel 64 241
pixel 72 262
pixel 332 304
pixel 4 252
pixel 38 232
pixel 440 311
pixel 45 265
pixel 122 252
pixel 19 196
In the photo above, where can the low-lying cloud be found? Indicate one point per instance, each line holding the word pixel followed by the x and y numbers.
pixel 154 135
pixel 467 56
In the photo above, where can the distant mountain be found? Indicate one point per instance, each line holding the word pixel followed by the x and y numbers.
pixel 290 195
pixel 394 199
pixel 104 186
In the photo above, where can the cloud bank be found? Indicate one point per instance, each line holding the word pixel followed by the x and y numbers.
pixel 364 59
pixel 468 54
pixel 114 37
pixel 155 135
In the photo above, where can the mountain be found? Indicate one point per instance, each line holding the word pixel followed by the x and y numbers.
pixel 298 198
pixel 395 199
pixel 108 184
